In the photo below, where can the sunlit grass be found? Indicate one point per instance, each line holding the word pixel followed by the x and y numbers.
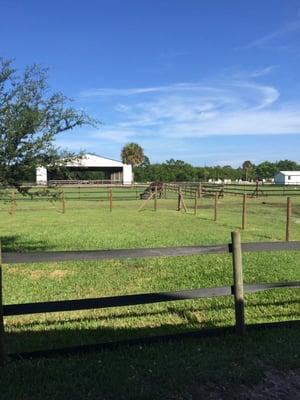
pixel 90 225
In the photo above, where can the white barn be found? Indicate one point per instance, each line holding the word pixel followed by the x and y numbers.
pixel 287 178
pixel 114 170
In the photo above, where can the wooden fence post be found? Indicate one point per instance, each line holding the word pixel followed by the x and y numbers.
pixel 238 282
pixel 110 200
pixel 244 211
pixel 165 191
pixel 179 199
pixel 196 202
pixel 2 348
pixel 146 201
pixel 216 207
pixel 13 203
pixel 288 219
pixel 155 199
pixel 181 202
pixel 199 190
pixel 63 202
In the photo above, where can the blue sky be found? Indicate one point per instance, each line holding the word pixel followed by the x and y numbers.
pixel 205 81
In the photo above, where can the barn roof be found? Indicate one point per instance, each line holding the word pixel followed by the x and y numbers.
pixel 289 172
pixel 92 160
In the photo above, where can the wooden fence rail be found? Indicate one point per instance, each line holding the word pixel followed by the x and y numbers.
pixel 237 289
pixel 253 190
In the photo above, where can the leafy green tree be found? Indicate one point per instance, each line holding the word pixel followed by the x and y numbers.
pixel 266 170
pixel 146 162
pixel 133 154
pixel 30 119
pixel 141 172
pixel 287 165
pixel 177 170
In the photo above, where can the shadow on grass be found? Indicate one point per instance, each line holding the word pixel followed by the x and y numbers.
pixel 163 370
pixel 30 335
pixel 19 243
pixel 59 337
pixel 148 371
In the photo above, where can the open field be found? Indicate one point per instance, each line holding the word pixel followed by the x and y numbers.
pixel 176 370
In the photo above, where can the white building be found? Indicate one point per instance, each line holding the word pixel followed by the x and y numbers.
pixel 114 170
pixel 287 178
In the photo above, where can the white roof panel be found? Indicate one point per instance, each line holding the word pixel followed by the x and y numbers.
pixel 91 160
pixel 289 172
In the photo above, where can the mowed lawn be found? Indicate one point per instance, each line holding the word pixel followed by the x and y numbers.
pixel 168 370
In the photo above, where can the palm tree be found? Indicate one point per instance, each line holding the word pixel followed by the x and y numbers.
pixel 133 154
pixel 247 166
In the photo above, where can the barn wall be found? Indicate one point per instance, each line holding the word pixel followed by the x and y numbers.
pixel 295 179
pixel 127 174
pixel 282 179
pixel 41 176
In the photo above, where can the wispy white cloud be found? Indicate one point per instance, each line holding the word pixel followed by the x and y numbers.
pixel 119 92
pixel 116 92
pixel 264 41
pixel 262 71
pixel 193 110
pixel 167 120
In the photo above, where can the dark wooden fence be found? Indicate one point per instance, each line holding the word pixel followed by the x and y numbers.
pixel 62 199
pixel 67 197
pixel 237 289
pixel 250 189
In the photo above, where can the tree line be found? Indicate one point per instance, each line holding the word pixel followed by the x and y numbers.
pixel 179 171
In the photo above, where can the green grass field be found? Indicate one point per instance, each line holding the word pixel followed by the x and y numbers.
pixel 159 371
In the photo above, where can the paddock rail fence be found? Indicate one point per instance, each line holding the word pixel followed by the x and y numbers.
pixel 258 189
pixel 111 197
pixel 237 290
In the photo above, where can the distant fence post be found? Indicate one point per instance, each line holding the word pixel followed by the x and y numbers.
pixel 179 199
pixel 63 202
pixel 196 202
pixel 165 191
pixel 181 202
pixel 199 190
pixel 13 203
pixel 110 200
pixel 155 199
pixel 288 219
pixel 244 211
pixel 2 349
pixel 216 207
pixel 238 286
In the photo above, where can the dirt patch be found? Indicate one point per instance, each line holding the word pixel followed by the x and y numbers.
pixel 39 273
pixel 275 385
pixel 190 316
pixel 36 274
pixel 59 273
pixel 13 270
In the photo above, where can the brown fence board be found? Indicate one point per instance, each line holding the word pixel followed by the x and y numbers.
pixel 32 257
